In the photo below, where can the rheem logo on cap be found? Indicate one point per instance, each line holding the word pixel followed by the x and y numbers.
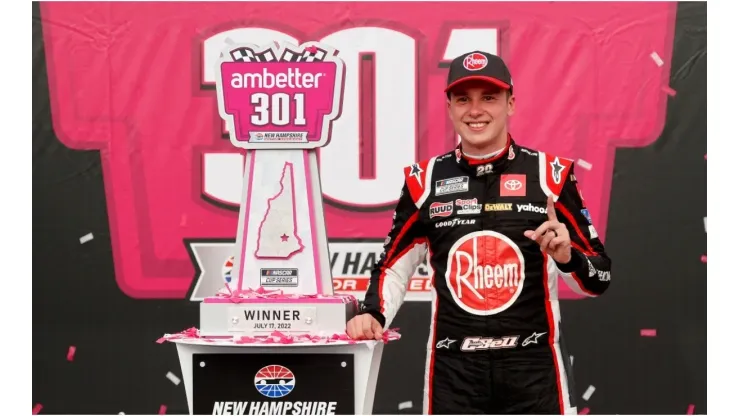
pixel 475 61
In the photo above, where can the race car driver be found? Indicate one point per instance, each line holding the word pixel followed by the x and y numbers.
pixel 499 223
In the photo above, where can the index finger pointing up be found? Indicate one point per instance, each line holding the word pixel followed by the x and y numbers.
pixel 551 209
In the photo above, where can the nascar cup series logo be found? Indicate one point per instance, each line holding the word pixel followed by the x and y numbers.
pixel 485 272
pixel 279 96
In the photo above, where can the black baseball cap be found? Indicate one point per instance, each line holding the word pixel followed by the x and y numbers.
pixel 478 65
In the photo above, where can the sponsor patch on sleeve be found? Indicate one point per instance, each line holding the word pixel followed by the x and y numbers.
pixel 587 215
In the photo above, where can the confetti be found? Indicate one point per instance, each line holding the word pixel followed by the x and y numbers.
pixel 183 220
pixel 690 411
pixel 37 408
pixel 584 411
pixel 668 90
pixel 589 391
pixel 162 409
pixel 85 238
pixel 704 258
pixel 585 165
pixel 121 413
pixel 71 353
pixel 276 337
pixel 648 332
pixel 705 224
pixel 405 405
pixel 705 156
pixel 239 296
pixel 656 58
pixel 173 378
pixel 571 360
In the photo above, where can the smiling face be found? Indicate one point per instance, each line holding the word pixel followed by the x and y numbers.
pixel 480 112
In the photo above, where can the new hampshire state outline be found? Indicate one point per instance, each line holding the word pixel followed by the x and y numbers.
pixel 277 236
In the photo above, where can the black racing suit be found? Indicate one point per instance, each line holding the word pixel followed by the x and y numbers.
pixel 495 343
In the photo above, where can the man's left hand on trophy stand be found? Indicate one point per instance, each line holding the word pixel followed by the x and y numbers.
pixel 364 326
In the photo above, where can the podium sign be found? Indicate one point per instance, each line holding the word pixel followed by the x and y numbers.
pixel 278 102
pixel 273 384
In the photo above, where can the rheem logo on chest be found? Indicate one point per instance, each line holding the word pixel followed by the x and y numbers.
pixel 485 272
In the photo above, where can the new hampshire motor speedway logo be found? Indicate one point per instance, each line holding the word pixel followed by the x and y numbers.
pixel 274 382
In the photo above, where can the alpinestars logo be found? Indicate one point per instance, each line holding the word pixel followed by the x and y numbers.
pixel 532 339
pixel 557 169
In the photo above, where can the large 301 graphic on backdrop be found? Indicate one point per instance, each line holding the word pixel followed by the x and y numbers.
pixel 173 178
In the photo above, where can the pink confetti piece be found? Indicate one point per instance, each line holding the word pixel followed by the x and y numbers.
pixel 162 409
pixel 705 156
pixel 37 408
pixel 311 49
pixel 71 353
pixel 704 258
pixel 690 410
pixel 584 411
pixel 183 220
pixel 668 90
pixel 237 296
pixel 648 332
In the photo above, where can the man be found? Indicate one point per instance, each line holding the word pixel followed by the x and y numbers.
pixel 498 223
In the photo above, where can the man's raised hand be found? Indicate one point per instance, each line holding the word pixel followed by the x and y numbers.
pixel 552 236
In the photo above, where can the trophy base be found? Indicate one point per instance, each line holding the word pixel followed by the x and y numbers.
pixel 262 316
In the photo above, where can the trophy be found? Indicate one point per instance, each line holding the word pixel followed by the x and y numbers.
pixel 278 320
pixel 279 104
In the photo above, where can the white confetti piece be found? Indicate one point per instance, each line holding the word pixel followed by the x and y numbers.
pixel 571 360
pixel 85 238
pixel 705 224
pixel 405 405
pixel 585 165
pixel 173 378
pixel 589 391
pixel 656 58
pixel 121 413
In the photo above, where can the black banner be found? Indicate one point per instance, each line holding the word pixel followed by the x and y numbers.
pixel 273 384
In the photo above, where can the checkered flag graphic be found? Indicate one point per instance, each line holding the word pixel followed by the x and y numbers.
pixel 248 55
pixel 310 54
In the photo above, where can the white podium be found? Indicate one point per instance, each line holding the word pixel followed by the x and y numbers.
pixel 366 363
